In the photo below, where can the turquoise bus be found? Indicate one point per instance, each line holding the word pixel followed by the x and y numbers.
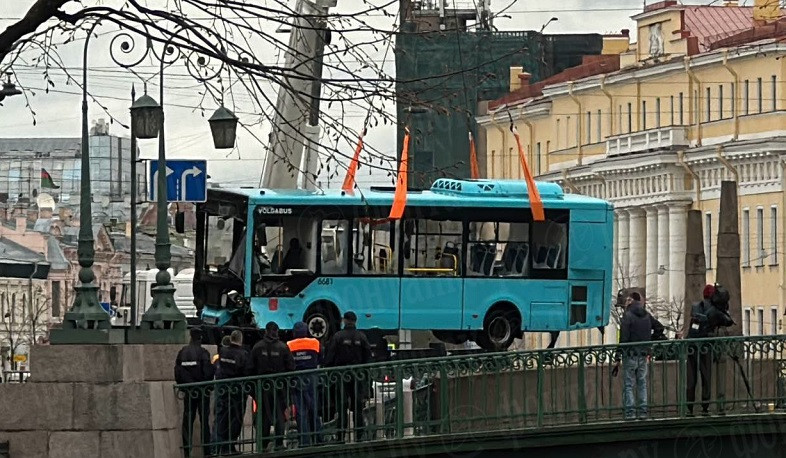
pixel 466 261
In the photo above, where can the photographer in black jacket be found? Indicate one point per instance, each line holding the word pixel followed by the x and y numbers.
pixel 707 316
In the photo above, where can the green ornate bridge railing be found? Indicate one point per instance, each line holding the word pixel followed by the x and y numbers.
pixel 490 392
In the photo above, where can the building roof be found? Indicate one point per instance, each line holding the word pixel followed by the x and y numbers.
pixel 61 146
pixel 592 65
pixel 755 33
pixel 14 252
pixel 146 244
pixel 712 23
pixel 55 254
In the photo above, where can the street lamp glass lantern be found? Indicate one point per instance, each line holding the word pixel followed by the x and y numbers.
pixel 223 126
pixel 146 117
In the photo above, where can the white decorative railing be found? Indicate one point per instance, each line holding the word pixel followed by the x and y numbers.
pixel 647 140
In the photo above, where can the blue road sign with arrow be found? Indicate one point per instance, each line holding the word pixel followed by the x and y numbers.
pixel 186 180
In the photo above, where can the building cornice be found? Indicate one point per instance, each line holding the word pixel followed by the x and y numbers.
pixel 768 47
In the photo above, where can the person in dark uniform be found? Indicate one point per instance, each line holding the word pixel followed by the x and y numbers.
pixel 349 347
pixel 306 351
pixel 233 363
pixel 272 356
pixel 192 365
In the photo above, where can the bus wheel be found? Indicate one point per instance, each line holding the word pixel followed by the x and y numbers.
pixel 500 328
pixel 320 321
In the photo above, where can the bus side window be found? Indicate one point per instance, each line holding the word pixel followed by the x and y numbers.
pixel 372 247
pixel 499 249
pixel 435 248
pixel 550 244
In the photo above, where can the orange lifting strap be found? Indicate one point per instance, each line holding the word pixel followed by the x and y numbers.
pixel 535 202
pixel 474 171
pixel 400 198
pixel 349 180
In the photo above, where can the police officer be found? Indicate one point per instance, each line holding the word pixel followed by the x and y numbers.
pixel 349 347
pixel 272 356
pixel 233 363
pixel 306 351
pixel 192 365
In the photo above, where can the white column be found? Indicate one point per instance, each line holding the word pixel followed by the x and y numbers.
pixel 678 227
pixel 623 250
pixel 615 250
pixel 652 252
pixel 664 252
pixel 638 248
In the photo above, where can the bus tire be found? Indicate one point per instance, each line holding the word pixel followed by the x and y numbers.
pixel 321 320
pixel 500 327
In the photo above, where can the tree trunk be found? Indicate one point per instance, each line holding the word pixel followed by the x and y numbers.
pixel 695 266
pixel 728 274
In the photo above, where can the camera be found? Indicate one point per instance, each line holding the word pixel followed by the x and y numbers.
pixel 718 315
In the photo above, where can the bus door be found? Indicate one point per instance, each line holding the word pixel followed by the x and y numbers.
pixel 431 287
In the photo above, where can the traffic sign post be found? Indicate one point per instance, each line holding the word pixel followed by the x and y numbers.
pixel 186 180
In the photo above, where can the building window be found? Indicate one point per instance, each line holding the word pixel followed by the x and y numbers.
pixel 774 235
pixel 746 97
pixel 644 115
pixel 746 237
pixel 537 158
pixel 671 119
pixel 598 127
pixel 733 98
pixel 657 112
pixel 760 318
pixel 619 124
pixel 760 254
pixel 558 134
pixel 682 110
pixel 589 127
pixel 630 117
pixel 708 240
pixel 746 322
pixel 774 93
pixel 774 321
pixel 709 104
pixel 759 94
pixel 720 102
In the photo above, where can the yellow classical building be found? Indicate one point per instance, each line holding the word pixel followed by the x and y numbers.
pixel 654 127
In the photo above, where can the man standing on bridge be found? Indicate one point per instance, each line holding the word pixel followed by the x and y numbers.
pixel 349 347
pixel 637 326
pixel 272 356
pixel 307 353
pixel 193 366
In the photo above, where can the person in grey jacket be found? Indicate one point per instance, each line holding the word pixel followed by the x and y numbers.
pixel 637 326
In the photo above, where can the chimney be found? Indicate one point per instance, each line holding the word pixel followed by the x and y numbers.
pixel 21 224
pixel 32 214
pixel 515 83
pixel 625 33
pixel 766 10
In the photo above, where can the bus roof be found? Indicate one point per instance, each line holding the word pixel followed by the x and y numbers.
pixel 444 192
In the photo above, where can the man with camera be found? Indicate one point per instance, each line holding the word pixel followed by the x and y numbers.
pixel 707 317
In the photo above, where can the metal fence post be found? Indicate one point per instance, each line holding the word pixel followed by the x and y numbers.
pixel 582 389
pixel 541 382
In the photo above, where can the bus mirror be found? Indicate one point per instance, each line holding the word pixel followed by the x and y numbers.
pixel 180 222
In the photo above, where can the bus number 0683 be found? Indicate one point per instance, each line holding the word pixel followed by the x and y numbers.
pixel 325 281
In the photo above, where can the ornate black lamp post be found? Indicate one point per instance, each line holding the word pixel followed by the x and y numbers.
pixel 9 89
pixel 86 322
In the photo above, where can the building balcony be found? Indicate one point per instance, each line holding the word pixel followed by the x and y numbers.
pixel 647 140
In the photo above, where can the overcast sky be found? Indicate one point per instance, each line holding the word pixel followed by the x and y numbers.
pixel 58 113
